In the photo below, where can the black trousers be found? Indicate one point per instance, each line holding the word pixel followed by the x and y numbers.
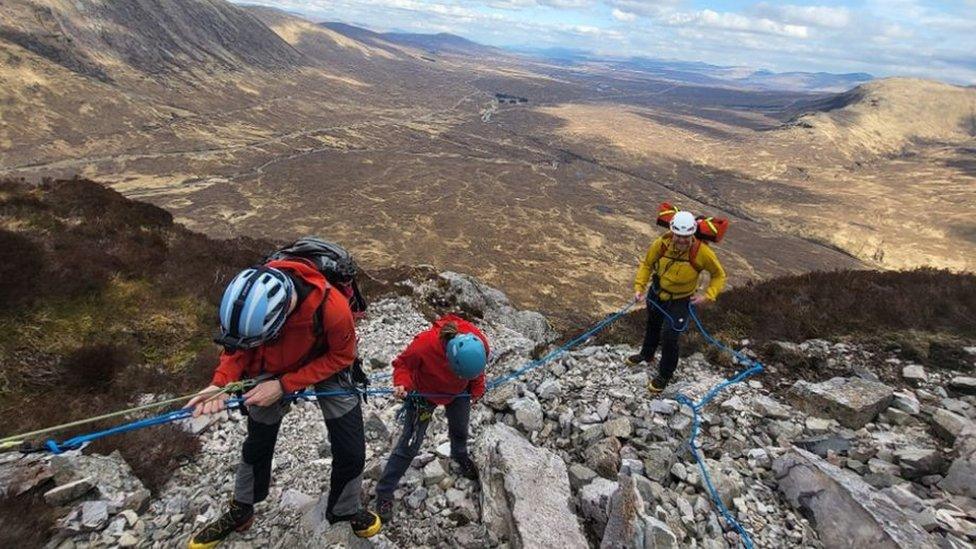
pixel 346 436
pixel 656 324
pixel 458 413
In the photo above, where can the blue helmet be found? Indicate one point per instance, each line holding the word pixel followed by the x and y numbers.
pixel 466 354
pixel 254 307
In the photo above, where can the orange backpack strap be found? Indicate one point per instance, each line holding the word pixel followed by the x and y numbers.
pixel 661 250
pixel 692 253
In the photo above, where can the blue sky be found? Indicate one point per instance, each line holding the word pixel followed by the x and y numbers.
pixel 884 37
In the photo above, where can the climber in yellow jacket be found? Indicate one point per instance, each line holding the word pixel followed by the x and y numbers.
pixel 673 265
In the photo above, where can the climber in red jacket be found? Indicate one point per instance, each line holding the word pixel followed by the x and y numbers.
pixel 283 323
pixel 444 365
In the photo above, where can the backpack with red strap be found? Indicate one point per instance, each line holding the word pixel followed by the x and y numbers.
pixel 339 268
pixel 709 229
pixel 334 262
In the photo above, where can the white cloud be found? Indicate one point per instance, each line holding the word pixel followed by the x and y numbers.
pixel 521 4
pixel 814 16
pixel 584 29
pixel 735 22
pixel 621 15
pixel 647 8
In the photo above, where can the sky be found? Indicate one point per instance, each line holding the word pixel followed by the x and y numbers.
pixel 932 39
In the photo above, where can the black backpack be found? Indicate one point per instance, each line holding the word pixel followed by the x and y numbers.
pixel 339 268
pixel 332 260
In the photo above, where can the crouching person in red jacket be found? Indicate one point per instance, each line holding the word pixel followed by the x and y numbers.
pixel 446 360
pixel 285 322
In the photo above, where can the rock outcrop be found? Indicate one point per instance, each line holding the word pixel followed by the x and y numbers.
pixel 961 477
pixel 846 511
pixel 853 402
pixel 526 498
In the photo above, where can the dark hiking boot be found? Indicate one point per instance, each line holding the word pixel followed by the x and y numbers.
pixel 365 523
pixel 467 468
pixel 384 508
pixel 656 385
pixel 238 518
pixel 635 360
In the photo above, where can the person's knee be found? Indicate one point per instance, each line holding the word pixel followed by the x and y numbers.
pixel 260 443
pixel 414 446
pixel 256 452
pixel 349 460
pixel 671 333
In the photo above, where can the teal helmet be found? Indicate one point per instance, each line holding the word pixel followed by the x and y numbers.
pixel 467 356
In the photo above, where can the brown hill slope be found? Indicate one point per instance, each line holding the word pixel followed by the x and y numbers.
pixel 406 155
pixel 886 116
pixel 390 153
pixel 113 80
pixel 103 299
pixel 105 39
pixel 320 42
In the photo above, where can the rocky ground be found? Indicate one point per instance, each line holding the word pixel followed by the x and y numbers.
pixel 576 453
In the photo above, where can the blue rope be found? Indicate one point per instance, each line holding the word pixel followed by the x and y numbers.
pixel 231 403
pixel 562 349
pixel 755 368
pixel 671 321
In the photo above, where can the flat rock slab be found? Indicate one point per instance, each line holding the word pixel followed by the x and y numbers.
pixel 525 495
pixel 852 401
pixel 948 425
pixel 961 477
pixel 845 511
pixel 963 385
pixel 820 445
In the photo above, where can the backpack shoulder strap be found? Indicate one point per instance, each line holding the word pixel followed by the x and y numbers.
pixel 692 252
pixel 693 255
pixel 661 250
pixel 320 345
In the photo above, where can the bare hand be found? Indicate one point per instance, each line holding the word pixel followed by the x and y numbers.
pixel 701 301
pixel 265 393
pixel 638 297
pixel 400 391
pixel 208 401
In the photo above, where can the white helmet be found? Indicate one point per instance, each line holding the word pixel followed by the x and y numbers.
pixel 684 224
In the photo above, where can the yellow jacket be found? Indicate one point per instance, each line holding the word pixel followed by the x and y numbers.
pixel 678 278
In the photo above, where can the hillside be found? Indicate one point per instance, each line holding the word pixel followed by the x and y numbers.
pixel 190 77
pixel 442 43
pixel 184 36
pixel 738 77
pixel 122 308
pixel 806 81
pixel 887 116
pixel 321 42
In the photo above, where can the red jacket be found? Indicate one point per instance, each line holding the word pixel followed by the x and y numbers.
pixel 285 354
pixel 423 366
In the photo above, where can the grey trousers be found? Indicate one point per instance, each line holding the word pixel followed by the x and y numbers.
pixel 458 414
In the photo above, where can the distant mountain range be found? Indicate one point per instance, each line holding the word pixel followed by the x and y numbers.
pixel 696 72
pixel 689 72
